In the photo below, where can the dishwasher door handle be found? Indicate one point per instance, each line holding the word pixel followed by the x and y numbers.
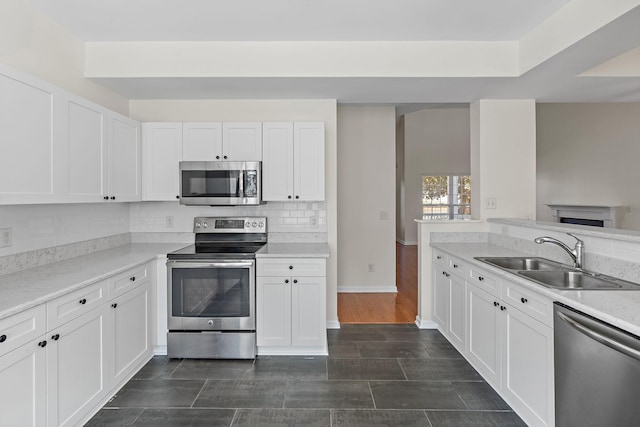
pixel 601 338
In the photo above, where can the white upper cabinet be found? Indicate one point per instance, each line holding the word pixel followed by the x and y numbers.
pixel 161 154
pixel 277 165
pixel 86 139
pixel 202 141
pixel 293 167
pixel 124 159
pixel 242 141
pixel 27 141
pixel 213 141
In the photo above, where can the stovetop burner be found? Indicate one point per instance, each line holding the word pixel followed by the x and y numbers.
pixel 225 238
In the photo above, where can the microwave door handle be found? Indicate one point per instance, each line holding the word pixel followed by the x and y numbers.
pixel 241 184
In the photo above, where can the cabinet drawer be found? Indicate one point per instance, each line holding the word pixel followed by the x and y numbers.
pixel 485 281
pixel 291 267
pixel 457 267
pixel 529 302
pixel 70 306
pixel 440 258
pixel 21 328
pixel 128 280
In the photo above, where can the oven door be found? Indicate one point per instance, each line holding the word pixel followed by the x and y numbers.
pixel 211 295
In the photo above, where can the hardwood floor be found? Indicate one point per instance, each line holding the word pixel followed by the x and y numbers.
pixel 386 307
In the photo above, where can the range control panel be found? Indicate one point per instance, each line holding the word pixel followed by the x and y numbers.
pixel 230 225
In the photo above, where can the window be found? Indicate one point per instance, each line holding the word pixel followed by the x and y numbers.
pixel 446 197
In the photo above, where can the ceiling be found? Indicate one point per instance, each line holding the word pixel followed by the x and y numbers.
pixel 556 79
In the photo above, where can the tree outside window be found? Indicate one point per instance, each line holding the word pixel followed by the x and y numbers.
pixel 446 197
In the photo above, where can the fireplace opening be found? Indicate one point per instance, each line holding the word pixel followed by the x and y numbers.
pixel 583 221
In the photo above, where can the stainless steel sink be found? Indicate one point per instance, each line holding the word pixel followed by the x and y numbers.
pixel 522 263
pixel 579 280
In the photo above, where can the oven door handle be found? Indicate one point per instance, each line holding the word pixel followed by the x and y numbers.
pixel 210 264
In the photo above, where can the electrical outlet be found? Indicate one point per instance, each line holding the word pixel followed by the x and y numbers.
pixel 6 237
pixel 169 221
pixel 491 203
pixel 384 216
pixel 313 221
pixel 372 268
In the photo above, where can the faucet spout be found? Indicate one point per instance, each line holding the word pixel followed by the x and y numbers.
pixel 576 254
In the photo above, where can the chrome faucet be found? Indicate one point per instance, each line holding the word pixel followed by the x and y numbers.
pixel 577 253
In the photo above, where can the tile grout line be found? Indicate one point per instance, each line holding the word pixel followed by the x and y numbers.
pixel 372 398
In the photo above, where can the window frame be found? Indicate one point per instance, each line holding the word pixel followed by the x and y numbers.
pixel 452 206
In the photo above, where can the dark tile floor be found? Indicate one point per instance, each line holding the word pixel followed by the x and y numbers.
pixel 375 375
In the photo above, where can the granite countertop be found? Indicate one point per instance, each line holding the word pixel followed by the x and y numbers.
pixel 294 250
pixel 25 289
pixel 619 308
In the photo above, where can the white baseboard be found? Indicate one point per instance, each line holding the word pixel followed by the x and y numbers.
pixel 426 324
pixel 160 350
pixel 367 289
pixel 405 243
pixel 333 324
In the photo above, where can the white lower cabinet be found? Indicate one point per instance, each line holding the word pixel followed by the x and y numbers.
pixel 291 306
pixel 508 337
pixel 76 367
pixel 129 320
pixel 23 386
pixel 60 361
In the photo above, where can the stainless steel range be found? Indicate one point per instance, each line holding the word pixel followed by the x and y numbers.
pixel 212 292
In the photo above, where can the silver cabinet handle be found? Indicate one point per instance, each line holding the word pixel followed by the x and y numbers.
pixel 601 338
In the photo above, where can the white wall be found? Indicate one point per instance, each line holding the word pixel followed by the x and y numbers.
pixel 503 153
pixel 44 226
pixel 436 141
pixel 33 43
pixel 366 193
pixel 588 155
pixel 258 110
pixel 400 179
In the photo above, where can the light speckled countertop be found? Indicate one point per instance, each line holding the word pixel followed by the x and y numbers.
pixel 619 308
pixel 28 288
pixel 294 250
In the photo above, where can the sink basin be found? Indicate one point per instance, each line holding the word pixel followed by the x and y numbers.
pixel 578 280
pixel 522 263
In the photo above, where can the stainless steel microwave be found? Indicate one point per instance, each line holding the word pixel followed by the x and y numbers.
pixel 220 183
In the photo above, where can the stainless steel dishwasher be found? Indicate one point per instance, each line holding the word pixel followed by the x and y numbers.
pixel 597 372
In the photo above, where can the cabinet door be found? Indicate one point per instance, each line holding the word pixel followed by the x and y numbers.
pixel 76 371
pixel 528 368
pixel 273 310
pixel 124 159
pixel 441 294
pixel 457 312
pixel 308 161
pixel 161 155
pixel 86 127
pixel 130 326
pixel 483 345
pixel 277 161
pixel 202 141
pixel 27 142
pixel 308 312
pixel 242 141
pixel 23 386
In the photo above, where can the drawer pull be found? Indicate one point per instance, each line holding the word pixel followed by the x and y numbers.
pixel 291 267
pixel 480 278
pixel 286 281
pixel 503 308
pixel 3 338
pixel 496 303
pixel 523 300
pixel 114 305
pixel 42 344
pixel 295 280
pixel 438 257
pixel 83 301
pixel 455 265
pixel 55 337
pixel 133 278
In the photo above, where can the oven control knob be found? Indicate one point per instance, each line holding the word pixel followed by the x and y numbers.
pixel 205 225
pixel 254 224
pixel 197 225
pixel 247 224
pixel 210 322
pixel 261 224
